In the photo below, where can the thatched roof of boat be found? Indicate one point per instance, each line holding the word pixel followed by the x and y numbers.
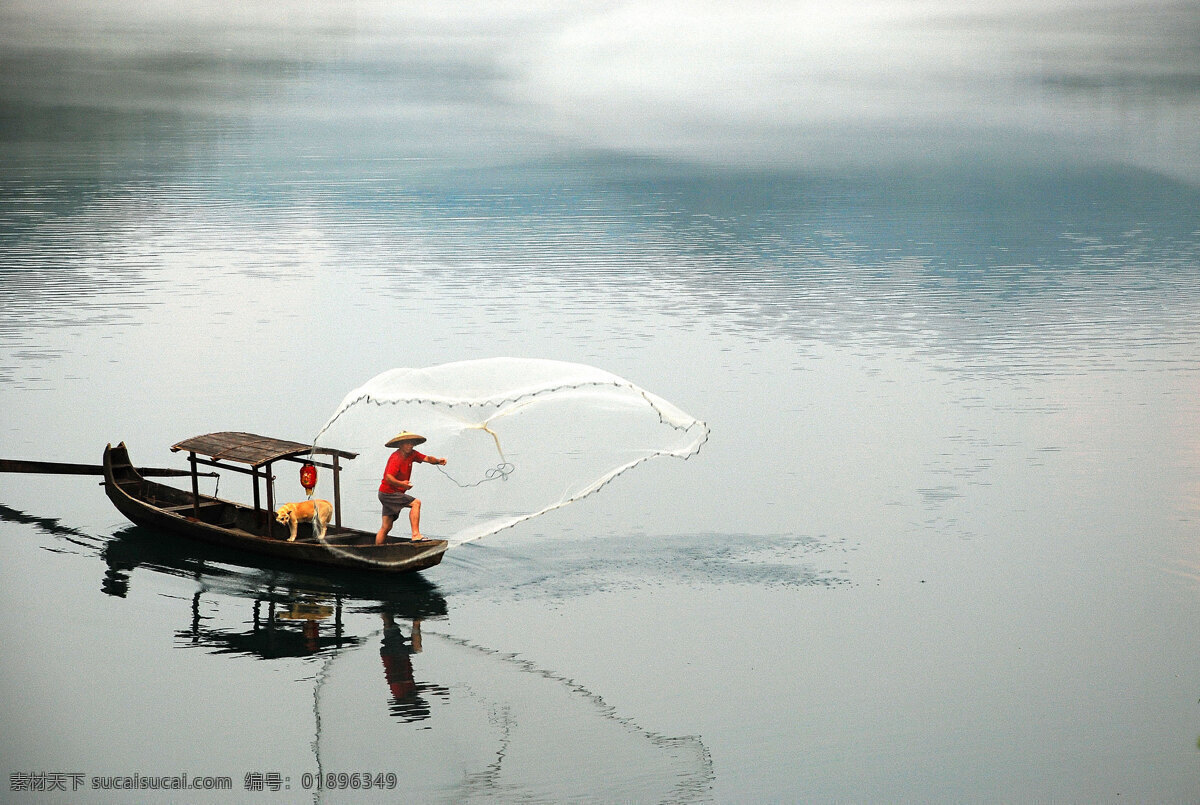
pixel 250 448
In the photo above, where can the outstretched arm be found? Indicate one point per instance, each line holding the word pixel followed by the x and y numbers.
pixel 432 460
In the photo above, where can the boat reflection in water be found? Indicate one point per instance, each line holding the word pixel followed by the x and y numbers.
pixel 294 611
pixel 496 726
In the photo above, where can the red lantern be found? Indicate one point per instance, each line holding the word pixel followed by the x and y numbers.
pixel 308 478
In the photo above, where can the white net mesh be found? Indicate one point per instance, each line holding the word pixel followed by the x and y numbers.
pixel 521 437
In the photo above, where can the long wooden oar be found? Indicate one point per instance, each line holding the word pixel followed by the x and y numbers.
pixel 60 468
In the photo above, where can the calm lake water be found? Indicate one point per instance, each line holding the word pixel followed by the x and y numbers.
pixel 942 545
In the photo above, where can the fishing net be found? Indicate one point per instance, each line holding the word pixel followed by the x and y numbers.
pixel 521 437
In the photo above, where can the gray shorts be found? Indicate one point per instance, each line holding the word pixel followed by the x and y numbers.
pixel 394 502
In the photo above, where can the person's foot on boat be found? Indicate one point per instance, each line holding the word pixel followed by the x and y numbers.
pixel 418 537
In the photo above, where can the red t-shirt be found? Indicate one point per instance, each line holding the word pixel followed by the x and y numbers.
pixel 399 465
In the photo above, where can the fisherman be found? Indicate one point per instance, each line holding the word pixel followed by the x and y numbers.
pixel 393 491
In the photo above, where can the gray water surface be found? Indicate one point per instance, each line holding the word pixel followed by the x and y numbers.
pixel 929 274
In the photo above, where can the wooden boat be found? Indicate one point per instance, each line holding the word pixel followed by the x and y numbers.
pixel 254 528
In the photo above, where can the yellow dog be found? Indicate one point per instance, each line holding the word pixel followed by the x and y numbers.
pixel 317 512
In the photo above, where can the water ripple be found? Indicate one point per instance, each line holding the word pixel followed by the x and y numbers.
pixel 990 287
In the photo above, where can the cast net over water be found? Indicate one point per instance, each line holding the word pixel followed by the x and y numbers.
pixel 522 437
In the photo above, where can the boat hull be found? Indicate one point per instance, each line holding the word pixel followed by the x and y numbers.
pixel 221 522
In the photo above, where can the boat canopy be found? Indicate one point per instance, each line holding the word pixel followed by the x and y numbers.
pixel 251 449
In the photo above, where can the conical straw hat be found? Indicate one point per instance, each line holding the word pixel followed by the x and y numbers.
pixel 404 436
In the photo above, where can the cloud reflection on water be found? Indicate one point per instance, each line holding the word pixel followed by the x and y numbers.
pixel 759 83
pixel 991 269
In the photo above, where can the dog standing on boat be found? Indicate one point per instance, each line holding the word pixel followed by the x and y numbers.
pixel 317 512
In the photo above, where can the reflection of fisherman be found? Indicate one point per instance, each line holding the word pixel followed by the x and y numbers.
pixel 312 635
pixel 396 653
pixel 393 491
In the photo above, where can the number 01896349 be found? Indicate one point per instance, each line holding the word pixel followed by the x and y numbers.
pixel 349 780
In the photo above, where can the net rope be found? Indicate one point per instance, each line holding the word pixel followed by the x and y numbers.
pixel 522 437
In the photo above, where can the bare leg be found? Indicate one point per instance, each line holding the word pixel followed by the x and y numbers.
pixel 416 637
pixel 384 529
pixel 414 519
